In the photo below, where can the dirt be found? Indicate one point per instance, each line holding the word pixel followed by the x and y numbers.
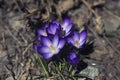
pixel 19 20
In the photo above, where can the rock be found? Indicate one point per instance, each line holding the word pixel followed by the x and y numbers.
pixel 82 79
pixel 111 24
pixel 90 72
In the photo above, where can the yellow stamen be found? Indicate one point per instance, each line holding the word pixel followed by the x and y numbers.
pixel 52 48
pixel 76 43
pixel 62 31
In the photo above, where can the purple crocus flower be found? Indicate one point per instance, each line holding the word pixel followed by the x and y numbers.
pixel 66 27
pixel 78 39
pixel 43 31
pixel 51 47
pixel 53 28
pixel 73 58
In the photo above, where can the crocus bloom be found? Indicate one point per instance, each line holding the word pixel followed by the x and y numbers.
pixel 43 31
pixel 78 39
pixel 66 27
pixel 73 58
pixel 53 28
pixel 51 47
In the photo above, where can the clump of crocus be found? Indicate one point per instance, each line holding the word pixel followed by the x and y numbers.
pixel 53 36
pixel 51 40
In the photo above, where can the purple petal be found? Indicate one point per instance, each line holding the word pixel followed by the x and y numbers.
pixel 46 41
pixel 38 38
pixel 55 22
pixel 52 29
pixel 35 46
pixel 67 34
pixel 82 36
pixel 47 56
pixel 55 40
pixel 76 36
pixel 61 44
pixel 44 50
pixel 46 25
pixel 73 58
pixel 68 28
pixel 57 51
pixel 70 40
pixel 65 23
pixel 49 30
pixel 42 32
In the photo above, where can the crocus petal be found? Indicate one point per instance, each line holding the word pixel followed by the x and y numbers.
pixel 52 29
pixel 70 40
pixel 57 51
pixel 72 55
pixel 46 41
pixel 67 34
pixel 73 58
pixel 55 22
pixel 61 44
pixel 68 28
pixel 65 23
pixel 41 32
pixel 35 46
pixel 46 25
pixel 47 56
pixel 82 36
pixel 44 50
pixel 55 40
pixel 38 38
pixel 76 36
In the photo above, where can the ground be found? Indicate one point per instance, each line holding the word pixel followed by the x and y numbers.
pixel 19 20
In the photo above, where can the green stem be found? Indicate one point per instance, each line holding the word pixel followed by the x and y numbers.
pixel 43 66
pixel 70 67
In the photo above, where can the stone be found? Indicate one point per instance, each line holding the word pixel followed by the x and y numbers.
pixel 90 72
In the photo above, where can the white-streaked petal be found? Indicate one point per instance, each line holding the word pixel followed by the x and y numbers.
pixel 75 36
pixel 41 32
pixel 44 50
pixel 68 28
pixel 47 56
pixel 65 23
pixel 55 40
pixel 53 28
pixel 66 34
pixel 61 44
pixel 46 41
pixel 57 51
pixel 82 37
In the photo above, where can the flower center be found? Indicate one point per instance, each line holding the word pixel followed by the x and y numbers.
pixel 45 33
pixel 62 31
pixel 77 43
pixel 52 49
